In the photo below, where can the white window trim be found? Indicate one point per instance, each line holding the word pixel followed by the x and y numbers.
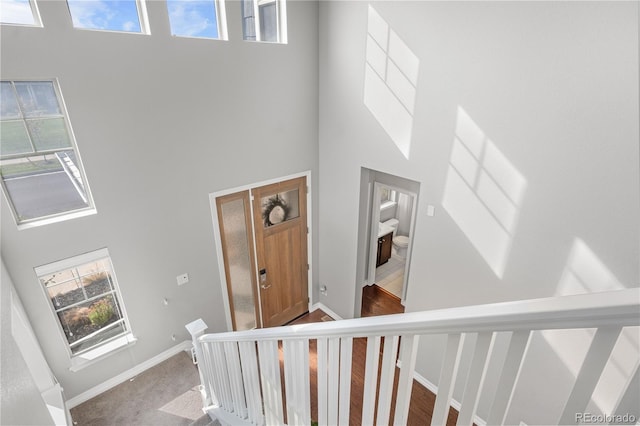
pixel 103 350
pixel 281 14
pixel 37 20
pixel 47 220
pixel 63 216
pixel 282 21
pixel 221 10
pixel 85 359
pixel 143 17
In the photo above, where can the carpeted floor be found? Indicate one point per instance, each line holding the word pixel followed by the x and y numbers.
pixel 166 394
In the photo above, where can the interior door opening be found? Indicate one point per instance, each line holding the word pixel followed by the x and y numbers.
pixel 393 236
pixel 392 219
pixel 388 207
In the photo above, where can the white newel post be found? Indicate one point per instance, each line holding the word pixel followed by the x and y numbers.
pixel 196 329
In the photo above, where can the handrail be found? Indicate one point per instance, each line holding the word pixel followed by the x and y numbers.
pixel 242 372
pixel 590 310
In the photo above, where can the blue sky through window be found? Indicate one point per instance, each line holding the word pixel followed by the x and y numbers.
pixel 193 18
pixel 16 12
pixel 110 15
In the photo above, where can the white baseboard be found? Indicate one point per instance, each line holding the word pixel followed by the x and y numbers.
pixel 434 389
pixel 324 308
pixel 128 374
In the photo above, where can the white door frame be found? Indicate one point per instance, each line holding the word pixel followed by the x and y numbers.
pixel 373 238
pixel 218 240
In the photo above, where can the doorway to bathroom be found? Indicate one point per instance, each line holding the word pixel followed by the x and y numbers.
pixel 393 213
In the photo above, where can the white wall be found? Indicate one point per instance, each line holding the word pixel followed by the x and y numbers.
pixel 160 122
pixel 546 92
pixel 21 401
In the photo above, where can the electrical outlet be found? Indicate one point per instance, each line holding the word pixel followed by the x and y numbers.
pixel 323 290
pixel 182 279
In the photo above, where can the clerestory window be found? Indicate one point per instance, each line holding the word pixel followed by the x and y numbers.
pixel 197 18
pixel 19 12
pixel 264 20
pixel 129 16
pixel 42 175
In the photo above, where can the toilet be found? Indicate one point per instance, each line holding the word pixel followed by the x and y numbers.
pixel 400 242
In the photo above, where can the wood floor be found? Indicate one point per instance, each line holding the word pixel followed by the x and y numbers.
pixel 378 301
pixel 375 301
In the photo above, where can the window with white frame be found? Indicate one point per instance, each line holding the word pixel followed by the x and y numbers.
pixel 42 175
pixel 197 18
pixel 129 16
pixel 85 299
pixel 264 20
pixel 19 12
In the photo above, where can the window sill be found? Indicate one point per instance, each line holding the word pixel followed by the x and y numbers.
pixel 55 219
pixel 85 359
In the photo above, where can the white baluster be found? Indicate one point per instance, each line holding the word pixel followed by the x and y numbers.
pixel 304 384
pixel 475 380
pixel 386 379
pixel 251 381
pixel 332 381
pixel 296 373
pixel 408 353
pixel 509 376
pixel 322 381
pixel 590 372
pixel 235 379
pixel 270 379
pixel 220 364
pixel 448 374
pixel 290 371
pixel 346 349
pixel 206 366
pixel 370 380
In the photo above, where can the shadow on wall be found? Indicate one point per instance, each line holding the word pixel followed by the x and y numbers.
pixel 584 272
pixel 483 192
pixel 390 81
pixel 561 353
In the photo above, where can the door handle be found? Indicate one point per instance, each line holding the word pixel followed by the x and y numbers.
pixel 264 287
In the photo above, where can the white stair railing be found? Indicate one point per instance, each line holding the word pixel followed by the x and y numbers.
pixel 242 378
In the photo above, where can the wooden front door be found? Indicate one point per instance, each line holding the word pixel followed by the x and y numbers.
pixel 280 227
